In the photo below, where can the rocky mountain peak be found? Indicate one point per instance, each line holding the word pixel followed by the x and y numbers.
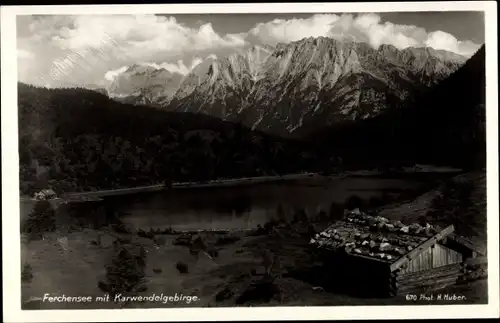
pixel 144 84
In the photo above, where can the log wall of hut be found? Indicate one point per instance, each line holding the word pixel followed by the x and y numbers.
pixel 433 257
pixel 427 280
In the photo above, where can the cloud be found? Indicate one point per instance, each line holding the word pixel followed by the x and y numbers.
pixel 179 67
pixel 284 31
pixel 362 28
pixel 113 74
pixel 83 49
pixel 442 40
pixel 131 36
pixel 175 68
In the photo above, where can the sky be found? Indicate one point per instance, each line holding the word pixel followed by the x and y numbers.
pixel 91 50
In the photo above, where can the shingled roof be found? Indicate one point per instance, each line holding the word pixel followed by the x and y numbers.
pixel 376 238
pixel 47 192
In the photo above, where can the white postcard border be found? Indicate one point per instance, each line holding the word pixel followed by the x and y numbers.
pixel 10 171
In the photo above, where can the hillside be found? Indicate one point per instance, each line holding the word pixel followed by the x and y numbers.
pixel 444 126
pixel 75 139
pixel 460 201
pixel 297 87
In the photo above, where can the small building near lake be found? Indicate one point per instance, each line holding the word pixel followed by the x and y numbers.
pixel 45 194
pixel 369 255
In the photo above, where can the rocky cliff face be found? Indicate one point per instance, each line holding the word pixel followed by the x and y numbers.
pixel 144 84
pixel 304 85
pixel 222 87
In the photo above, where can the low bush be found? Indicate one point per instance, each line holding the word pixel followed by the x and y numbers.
pixel 263 289
pixel 40 220
pixel 224 294
pixel 182 267
pixel 120 228
pixel 160 241
pixel 226 239
pixel 270 225
pixel 214 253
pixel 183 240
pixel 354 202
pixel 300 216
pixel 375 202
pixel 145 234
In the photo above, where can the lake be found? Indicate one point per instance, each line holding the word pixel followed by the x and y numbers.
pixel 245 207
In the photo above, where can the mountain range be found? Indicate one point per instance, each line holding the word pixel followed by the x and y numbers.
pixel 295 88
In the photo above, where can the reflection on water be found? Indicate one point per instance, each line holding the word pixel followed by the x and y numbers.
pixel 243 207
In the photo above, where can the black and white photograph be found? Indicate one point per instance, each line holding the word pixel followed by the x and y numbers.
pixel 237 159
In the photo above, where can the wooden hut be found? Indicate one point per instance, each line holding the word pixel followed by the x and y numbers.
pixel 369 255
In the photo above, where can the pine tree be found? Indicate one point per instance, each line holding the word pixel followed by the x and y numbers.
pixel 125 272
pixel 40 220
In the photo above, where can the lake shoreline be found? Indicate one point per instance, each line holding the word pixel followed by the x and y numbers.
pixel 425 174
pixel 184 185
